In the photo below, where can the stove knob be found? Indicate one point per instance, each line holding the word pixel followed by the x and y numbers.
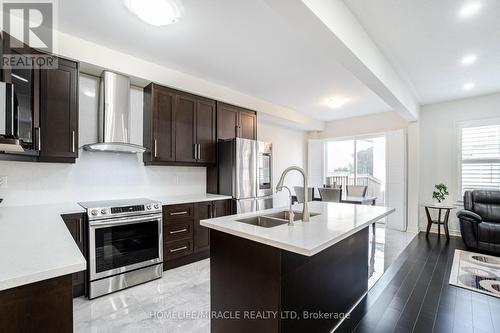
pixel 93 212
pixel 104 211
pixel 148 207
pixel 157 206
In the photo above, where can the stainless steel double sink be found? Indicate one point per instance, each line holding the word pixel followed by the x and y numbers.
pixel 273 219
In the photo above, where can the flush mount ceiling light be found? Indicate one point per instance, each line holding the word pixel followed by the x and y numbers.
pixel 469 9
pixel 469 86
pixel 336 102
pixel 156 12
pixel 469 59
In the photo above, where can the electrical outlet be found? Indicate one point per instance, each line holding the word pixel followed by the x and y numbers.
pixel 3 182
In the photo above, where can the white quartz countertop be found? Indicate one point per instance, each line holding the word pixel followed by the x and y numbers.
pixel 335 222
pixel 35 244
pixel 181 199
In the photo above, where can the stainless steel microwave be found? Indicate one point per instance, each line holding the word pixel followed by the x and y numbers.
pixel 9 124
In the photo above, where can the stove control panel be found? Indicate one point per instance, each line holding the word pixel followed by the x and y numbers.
pixel 106 212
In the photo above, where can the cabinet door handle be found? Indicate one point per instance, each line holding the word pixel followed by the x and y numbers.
pixel 210 211
pixel 236 131
pixel 194 151
pixel 177 231
pixel 199 151
pixel 178 249
pixel 214 210
pixel 39 138
pixel 80 236
pixel 179 213
pixel 72 141
pixel 155 148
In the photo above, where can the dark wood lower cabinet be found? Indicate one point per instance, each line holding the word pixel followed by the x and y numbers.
pixel 307 294
pixel 77 226
pixel 177 249
pixel 203 210
pixel 222 208
pixel 184 239
pixel 45 306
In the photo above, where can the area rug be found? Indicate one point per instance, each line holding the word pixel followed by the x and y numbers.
pixel 476 272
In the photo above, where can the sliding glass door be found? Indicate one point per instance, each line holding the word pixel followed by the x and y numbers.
pixel 341 161
pixel 359 161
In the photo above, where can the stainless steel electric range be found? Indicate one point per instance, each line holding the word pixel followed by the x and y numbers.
pixel 125 244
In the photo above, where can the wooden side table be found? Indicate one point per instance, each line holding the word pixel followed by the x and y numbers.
pixel 439 221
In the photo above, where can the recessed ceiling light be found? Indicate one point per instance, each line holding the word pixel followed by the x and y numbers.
pixel 469 59
pixel 469 86
pixel 469 9
pixel 156 12
pixel 336 102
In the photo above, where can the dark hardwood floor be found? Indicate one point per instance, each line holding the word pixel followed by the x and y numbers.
pixel 413 295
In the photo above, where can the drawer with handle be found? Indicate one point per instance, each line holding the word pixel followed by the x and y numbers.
pixel 177 249
pixel 175 213
pixel 176 231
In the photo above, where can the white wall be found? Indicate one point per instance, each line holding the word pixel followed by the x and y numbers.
pixel 374 123
pixel 439 145
pixel 289 148
pixel 100 57
pixel 95 175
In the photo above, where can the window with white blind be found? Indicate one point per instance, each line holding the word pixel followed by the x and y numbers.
pixel 480 155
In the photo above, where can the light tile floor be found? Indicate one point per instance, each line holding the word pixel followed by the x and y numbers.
pixel 185 292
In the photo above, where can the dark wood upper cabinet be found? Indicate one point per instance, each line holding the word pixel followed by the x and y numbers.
pixel 48 106
pixel 227 121
pixel 248 125
pixel 235 122
pixel 179 128
pixel 185 129
pixel 205 131
pixel 58 132
pixel 158 136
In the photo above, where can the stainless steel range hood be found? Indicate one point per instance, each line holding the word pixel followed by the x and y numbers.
pixel 114 116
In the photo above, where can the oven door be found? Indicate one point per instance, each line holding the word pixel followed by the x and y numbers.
pixel 124 244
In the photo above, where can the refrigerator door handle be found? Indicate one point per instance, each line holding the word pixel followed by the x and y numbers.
pixel 245 169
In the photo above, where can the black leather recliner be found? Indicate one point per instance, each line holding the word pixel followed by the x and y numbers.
pixel 480 221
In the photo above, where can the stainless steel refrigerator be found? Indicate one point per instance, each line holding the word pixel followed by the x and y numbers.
pixel 245 173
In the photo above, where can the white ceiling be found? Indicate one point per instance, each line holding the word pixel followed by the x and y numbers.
pixel 426 39
pixel 241 44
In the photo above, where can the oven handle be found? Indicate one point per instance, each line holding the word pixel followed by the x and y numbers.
pixel 125 220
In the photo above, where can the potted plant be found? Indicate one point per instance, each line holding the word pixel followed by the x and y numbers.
pixel 440 192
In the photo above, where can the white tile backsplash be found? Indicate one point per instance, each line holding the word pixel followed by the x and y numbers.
pixel 96 176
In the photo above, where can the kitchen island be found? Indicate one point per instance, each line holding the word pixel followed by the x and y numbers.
pixel 300 278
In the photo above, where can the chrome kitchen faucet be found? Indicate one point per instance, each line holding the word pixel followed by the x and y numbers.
pixel 280 186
